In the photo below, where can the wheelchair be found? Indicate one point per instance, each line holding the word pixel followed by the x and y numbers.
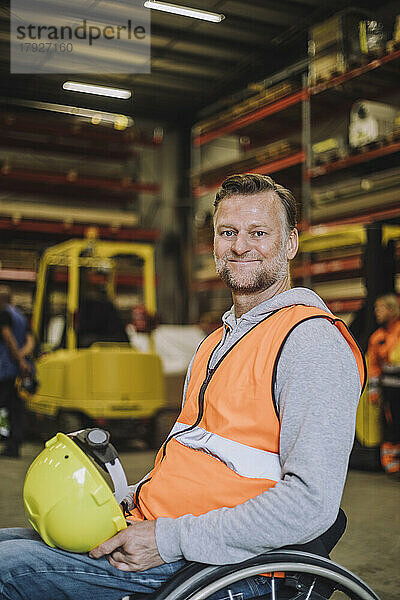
pixel 302 572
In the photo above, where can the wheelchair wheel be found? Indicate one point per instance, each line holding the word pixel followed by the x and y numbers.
pixel 306 577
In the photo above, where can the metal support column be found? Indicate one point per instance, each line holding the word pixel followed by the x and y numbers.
pixel 305 182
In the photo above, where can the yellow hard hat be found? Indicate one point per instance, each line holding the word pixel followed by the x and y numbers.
pixel 66 498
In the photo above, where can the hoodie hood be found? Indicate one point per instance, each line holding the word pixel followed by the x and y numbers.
pixel 296 295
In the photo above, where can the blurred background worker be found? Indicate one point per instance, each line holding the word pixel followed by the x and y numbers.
pixel 384 377
pixel 99 320
pixel 16 344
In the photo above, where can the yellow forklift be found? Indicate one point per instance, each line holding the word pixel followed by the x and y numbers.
pixel 91 378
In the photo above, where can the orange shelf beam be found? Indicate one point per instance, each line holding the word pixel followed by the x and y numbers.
pixel 347 305
pixel 354 160
pixel 351 263
pixel 358 219
pixel 17 275
pixel 79 230
pixel 269 167
pixel 116 185
pixel 30 276
pixel 250 118
pixel 279 165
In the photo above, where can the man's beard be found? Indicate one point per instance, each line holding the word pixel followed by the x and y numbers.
pixel 260 277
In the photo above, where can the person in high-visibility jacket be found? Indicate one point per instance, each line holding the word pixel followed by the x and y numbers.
pixel 383 356
pixel 258 456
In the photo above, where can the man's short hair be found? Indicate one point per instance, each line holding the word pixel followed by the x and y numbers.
pixel 248 184
pixel 391 302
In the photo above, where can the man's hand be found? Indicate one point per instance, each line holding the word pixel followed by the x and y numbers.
pixel 132 549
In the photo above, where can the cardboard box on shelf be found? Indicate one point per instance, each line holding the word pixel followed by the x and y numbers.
pixel 325 67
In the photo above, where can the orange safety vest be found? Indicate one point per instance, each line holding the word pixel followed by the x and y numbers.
pixel 224 447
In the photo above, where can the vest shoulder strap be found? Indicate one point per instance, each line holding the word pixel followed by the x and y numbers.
pixel 307 313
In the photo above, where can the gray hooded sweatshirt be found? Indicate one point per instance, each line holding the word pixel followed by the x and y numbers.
pixel 317 390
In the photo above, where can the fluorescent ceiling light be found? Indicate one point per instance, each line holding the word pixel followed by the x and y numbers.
pixel 94 116
pixel 185 11
pixel 99 90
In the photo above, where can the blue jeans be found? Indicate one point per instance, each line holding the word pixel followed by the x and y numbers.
pixel 30 570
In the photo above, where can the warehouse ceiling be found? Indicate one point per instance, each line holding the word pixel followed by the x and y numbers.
pixel 193 63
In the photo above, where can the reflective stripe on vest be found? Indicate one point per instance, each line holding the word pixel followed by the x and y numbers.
pixel 243 460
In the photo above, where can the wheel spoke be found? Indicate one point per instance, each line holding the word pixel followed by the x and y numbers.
pixel 310 590
pixel 273 590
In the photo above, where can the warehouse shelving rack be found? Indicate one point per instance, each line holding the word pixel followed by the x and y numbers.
pixel 82 145
pixel 43 203
pixel 305 271
pixel 240 124
pixel 361 162
pixel 253 117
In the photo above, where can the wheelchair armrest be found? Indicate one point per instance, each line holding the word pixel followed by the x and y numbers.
pixel 199 572
pixel 324 544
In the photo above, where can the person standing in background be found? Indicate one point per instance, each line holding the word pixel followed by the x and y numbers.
pixel 383 358
pixel 16 343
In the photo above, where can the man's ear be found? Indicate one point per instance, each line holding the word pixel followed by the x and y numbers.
pixel 292 244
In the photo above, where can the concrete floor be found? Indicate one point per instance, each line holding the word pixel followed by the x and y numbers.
pixel 370 548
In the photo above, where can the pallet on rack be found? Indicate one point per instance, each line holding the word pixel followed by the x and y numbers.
pixel 375 145
pixel 392 137
pixel 329 150
pixel 266 96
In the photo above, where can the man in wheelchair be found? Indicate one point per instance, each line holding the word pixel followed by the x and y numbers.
pixel 258 457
